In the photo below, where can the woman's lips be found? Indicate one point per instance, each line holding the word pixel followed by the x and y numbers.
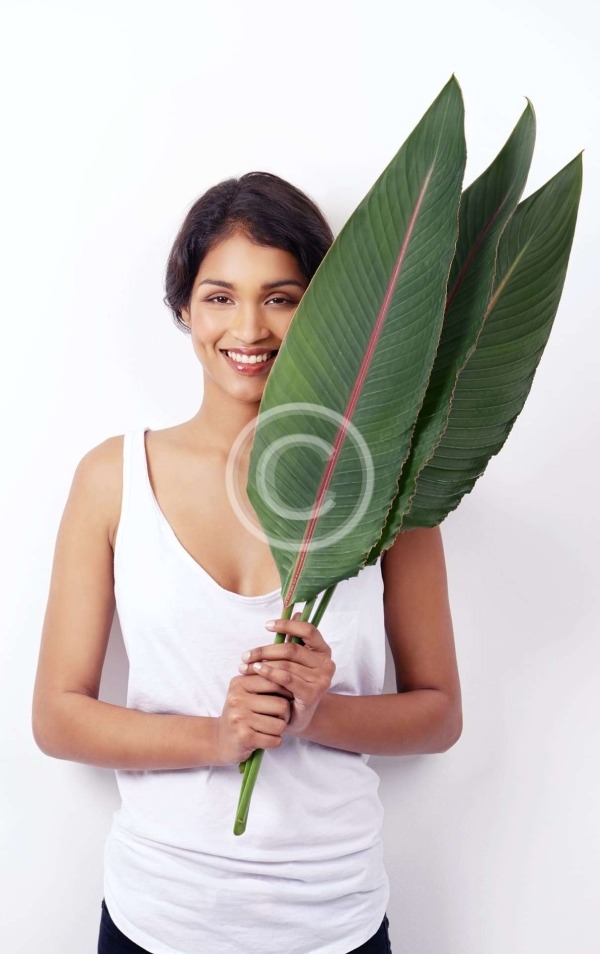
pixel 257 368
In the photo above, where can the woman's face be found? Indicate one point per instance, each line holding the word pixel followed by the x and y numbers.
pixel 242 302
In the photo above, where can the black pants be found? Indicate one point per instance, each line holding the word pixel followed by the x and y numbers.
pixel 112 941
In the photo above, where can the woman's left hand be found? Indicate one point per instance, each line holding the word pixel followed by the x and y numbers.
pixel 305 670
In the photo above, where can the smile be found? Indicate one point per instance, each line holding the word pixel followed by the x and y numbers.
pixel 250 364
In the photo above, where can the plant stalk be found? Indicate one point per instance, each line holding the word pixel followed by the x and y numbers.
pixel 251 765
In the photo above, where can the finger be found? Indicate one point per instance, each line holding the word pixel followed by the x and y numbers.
pixel 254 682
pixel 261 666
pixel 288 652
pixel 293 681
pixel 265 724
pixel 299 628
pixel 274 705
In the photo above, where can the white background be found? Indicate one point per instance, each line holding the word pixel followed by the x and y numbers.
pixel 115 118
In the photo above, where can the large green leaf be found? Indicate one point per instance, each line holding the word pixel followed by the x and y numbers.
pixel 485 208
pixel 492 387
pixel 340 404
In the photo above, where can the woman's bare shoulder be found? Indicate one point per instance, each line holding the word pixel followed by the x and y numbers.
pixel 99 474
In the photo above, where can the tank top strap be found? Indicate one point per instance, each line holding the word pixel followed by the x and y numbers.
pixel 137 463
pixel 137 509
pixel 142 495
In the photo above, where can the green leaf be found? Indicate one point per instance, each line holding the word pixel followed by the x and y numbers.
pixel 533 255
pixel 485 209
pixel 342 399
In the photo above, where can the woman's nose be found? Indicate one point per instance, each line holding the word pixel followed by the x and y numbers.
pixel 249 322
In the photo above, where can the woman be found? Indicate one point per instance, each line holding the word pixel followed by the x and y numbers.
pixel 149 527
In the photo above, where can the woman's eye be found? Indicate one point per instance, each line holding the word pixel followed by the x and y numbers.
pixel 220 298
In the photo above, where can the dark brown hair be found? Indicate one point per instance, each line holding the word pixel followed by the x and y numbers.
pixel 268 209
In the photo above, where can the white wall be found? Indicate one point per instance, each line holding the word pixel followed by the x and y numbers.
pixel 116 117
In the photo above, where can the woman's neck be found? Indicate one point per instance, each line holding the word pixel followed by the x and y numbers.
pixel 220 420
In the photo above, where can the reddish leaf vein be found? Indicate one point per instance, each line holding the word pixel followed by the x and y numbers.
pixel 357 389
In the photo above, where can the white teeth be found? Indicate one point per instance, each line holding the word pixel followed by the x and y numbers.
pixel 248 359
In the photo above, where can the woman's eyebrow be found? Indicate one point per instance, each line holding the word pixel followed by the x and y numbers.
pixel 265 287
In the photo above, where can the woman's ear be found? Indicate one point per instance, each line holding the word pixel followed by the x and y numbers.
pixel 185 316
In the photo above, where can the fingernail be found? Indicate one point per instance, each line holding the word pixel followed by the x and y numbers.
pixel 243 667
pixel 247 655
pixel 270 624
pixel 257 665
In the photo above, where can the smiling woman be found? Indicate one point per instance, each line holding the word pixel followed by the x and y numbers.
pixel 246 326
pixel 151 528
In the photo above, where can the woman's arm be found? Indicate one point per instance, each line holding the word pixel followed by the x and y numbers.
pixel 425 714
pixel 68 720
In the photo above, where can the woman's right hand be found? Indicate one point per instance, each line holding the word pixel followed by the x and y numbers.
pixel 253 717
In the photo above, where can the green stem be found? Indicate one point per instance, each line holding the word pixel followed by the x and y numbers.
pixel 251 765
pixel 323 604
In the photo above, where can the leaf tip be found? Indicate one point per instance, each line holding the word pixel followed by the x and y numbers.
pixel 453 81
pixel 529 112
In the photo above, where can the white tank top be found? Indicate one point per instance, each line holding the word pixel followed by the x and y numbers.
pixel 308 875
